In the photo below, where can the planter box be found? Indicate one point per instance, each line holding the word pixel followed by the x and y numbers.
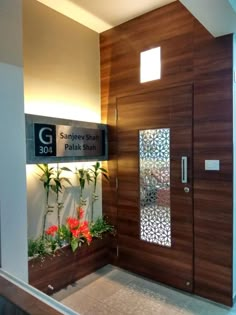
pixel 52 273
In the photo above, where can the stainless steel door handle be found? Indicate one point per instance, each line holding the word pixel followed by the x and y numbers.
pixel 184 169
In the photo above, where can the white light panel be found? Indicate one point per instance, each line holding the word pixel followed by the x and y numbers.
pixel 150 65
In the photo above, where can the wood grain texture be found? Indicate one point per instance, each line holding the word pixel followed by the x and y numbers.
pixel 189 55
pixel 213 210
pixel 52 273
pixel 16 301
pixel 173 266
pixel 120 54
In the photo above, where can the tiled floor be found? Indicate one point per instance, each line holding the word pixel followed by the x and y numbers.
pixel 113 291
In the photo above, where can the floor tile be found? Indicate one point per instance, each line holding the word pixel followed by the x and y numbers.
pixel 114 291
pixel 102 288
pixel 67 291
pixel 120 276
pixel 201 307
pixel 79 302
pixel 102 309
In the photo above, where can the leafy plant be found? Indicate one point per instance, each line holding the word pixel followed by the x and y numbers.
pixel 57 187
pixel 96 171
pixel 46 178
pixel 83 176
pixel 74 232
pixel 99 227
pixel 39 247
pixel 53 242
pixel 32 247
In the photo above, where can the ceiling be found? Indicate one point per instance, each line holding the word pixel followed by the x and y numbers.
pixel 218 16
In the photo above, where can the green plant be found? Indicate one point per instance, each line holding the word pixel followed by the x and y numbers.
pixel 74 232
pixel 39 247
pixel 96 171
pixel 57 187
pixel 99 227
pixel 46 178
pixel 32 247
pixel 83 176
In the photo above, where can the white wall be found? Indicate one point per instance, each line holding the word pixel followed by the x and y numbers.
pixel 12 141
pixel 69 197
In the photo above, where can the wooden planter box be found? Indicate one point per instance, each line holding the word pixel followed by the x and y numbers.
pixel 52 273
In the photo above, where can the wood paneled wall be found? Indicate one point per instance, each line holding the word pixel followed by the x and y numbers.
pixel 213 191
pixel 16 301
pixel 189 55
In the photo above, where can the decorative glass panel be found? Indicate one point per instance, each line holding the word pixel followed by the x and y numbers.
pixel 154 161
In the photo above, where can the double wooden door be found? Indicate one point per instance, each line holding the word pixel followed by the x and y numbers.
pixel 155 210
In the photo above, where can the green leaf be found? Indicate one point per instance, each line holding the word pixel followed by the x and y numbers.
pixel 99 227
pixel 66 169
pixel 67 180
pixel 54 188
pixel 103 170
pixel 107 178
pixel 39 166
pixel 74 244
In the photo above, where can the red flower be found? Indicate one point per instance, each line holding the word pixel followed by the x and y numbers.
pixel 75 233
pixel 79 230
pixel 73 223
pixel 88 237
pixel 51 230
pixel 84 227
pixel 80 211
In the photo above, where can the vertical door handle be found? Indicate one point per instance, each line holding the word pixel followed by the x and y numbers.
pixel 184 169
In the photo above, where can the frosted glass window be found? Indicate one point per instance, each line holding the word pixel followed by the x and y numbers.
pixel 154 163
pixel 150 65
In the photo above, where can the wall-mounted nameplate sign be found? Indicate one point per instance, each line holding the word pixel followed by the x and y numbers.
pixel 58 140
pixel 51 140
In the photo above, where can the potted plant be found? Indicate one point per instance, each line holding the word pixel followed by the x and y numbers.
pixel 87 251
pixel 76 247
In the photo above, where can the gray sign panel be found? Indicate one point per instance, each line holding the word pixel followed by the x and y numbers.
pixel 56 140
pixel 73 141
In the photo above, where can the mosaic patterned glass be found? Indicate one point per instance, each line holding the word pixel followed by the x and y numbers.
pixel 154 161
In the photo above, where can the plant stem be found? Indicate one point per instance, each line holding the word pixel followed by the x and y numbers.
pixel 58 210
pixel 57 199
pixel 45 214
pixel 44 222
pixel 93 199
pixel 58 216
pixel 59 207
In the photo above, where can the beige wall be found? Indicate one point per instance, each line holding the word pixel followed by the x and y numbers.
pixel 61 79
pixel 61 65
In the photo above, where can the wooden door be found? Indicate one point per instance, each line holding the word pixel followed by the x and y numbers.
pixel 168 259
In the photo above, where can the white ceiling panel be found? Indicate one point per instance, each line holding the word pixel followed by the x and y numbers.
pixel 218 16
pixel 101 15
pixel 115 12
